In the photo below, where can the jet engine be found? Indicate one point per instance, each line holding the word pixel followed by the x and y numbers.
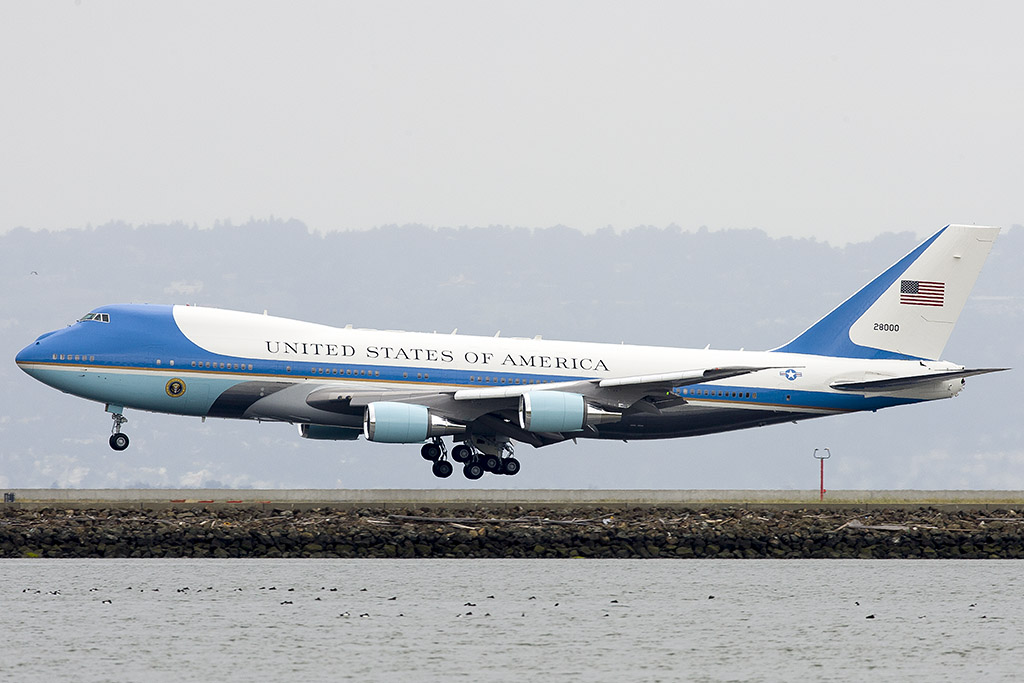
pixel 388 422
pixel 557 411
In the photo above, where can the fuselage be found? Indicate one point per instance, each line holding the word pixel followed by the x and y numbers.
pixel 217 363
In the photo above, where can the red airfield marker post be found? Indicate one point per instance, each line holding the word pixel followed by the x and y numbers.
pixel 826 454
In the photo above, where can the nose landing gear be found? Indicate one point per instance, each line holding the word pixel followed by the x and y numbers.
pixel 118 441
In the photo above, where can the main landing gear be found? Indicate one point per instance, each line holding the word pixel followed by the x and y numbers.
pixel 474 463
pixel 436 452
pixel 118 441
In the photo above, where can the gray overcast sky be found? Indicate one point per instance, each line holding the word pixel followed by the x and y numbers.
pixel 832 120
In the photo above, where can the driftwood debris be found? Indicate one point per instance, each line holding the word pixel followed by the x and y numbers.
pixel 492 520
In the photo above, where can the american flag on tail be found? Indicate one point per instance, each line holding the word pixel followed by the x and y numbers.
pixel 922 293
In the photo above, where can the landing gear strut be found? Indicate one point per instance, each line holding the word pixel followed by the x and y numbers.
pixel 118 441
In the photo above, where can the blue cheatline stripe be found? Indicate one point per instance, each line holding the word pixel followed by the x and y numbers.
pixel 789 398
pixel 830 336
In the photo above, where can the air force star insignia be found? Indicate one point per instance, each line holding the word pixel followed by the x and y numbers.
pixel 791 374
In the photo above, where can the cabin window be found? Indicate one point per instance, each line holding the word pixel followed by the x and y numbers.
pixel 250 366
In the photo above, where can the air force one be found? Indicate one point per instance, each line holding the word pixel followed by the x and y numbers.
pixel 879 348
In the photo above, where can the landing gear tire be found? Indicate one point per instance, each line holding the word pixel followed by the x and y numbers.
pixel 462 453
pixel 119 441
pixel 431 451
pixel 473 470
pixel 510 466
pixel 442 469
pixel 490 463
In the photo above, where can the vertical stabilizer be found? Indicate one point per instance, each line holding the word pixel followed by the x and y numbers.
pixel 908 311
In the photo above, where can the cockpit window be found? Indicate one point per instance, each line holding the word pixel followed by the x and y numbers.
pixel 98 317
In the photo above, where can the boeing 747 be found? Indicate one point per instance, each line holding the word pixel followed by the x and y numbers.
pixel 878 349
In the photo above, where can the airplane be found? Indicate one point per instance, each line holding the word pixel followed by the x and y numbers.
pixel 878 349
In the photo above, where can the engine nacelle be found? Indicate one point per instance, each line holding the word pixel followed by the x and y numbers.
pixel 387 422
pixel 557 411
pixel 329 432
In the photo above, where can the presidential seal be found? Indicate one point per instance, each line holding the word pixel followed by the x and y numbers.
pixel 175 388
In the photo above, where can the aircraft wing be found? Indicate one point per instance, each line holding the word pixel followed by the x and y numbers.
pixel 495 409
pixel 620 392
pixel 886 384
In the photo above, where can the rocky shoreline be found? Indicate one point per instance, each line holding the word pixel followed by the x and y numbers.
pixel 730 532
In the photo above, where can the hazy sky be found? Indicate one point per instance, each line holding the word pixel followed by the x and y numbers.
pixel 833 120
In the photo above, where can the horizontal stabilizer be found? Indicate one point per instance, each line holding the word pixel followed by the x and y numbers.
pixel 887 384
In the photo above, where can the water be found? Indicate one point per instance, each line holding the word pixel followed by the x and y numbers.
pixel 566 620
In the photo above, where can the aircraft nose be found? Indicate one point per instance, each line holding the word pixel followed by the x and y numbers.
pixel 33 353
pixel 27 355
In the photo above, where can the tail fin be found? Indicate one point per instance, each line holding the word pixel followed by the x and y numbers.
pixel 909 311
